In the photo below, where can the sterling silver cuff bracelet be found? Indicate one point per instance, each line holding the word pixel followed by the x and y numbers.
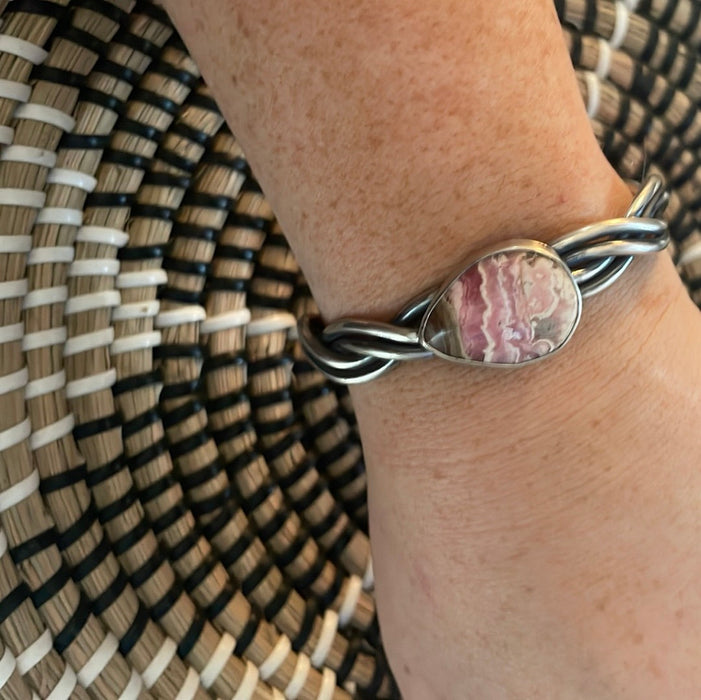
pixel 512 304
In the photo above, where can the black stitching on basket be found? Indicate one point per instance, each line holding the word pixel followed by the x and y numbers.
pixel 164 352
pixel 166 602
pixel 138 423
pixel 277 603
pixel 176 160
pixel 273 526
pixel 187 267
pixel 329 595
pixel 651 44
pixel 290 479
pixel 140 129
pixel 257 498
pixel 56 482
pixel 188 444
pixel 247 634
pixel 73 627
pixel 227 284
pixel 208 505
pixel 92 560
pixel 307 500
pixel 102 99
pixel 237 163
pixel 190 133
pixel 326 459
pixel 234 252
pixel 38 7
pixel 60 76
pixel 24 550
pixel 232 554
pixel 156 100
pixel 267 302
pixel 252 185
pixel 668 13
pixel 179 550
pixel 274 451
pixel 136 629
pixel 271 398
pixel 175 391
pixel 225 401
pixel 13 600
pixel 73 533
pixel 257 223
pixel 117 70
pixel 693 22
pixel 141 459
pixel 272 273
pixel 84 142
pixel 666 100
pixel 128 160
pixel 110 594
pixel 181 413
pixel 107 9
pixel 217 523
pixel 306 627
pixel 168 518
pixel 687 120
pixel 242 461
pixel 138 43
pixel 226 360
pixel 83 39
pixel 348 476
pixel 305 580
pixel 325 524
pixel 233 431
pixel 191 636
pixel 118 507
pixel 129 539
pixel 670 55
pixel 97 426
pixel 255 577
pixel 269 363
pixel 180 74
pixel 136 381
pixel 145 252
pixel 372 690
pixel 107 471
pixel 201 475
pixel 356 503
pixel 163 179
pixel 139 577
pixel 349 658
pixel 204 233
pixel 51 586
pixel 199 574
pixel 287 556
pixel 218 605
pixel 151 211
pixel 209 201
pixel 110 200
pixel 197 99
pixel 157 488
pixel 277 240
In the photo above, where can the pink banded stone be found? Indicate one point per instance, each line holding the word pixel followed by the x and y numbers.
pixel 514 305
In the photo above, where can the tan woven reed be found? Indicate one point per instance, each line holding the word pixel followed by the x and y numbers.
pixel 182 495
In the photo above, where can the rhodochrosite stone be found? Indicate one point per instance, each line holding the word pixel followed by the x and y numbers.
pixel 509 307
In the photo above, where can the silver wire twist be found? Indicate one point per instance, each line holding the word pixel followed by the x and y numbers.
pixel 351 351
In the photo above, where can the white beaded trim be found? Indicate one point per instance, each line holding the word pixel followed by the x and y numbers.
pixel 139 341
pixel 276 657
pixel 45 115
pixel 190 687
pixel 593 94
pixel 350 601
pixel 3 543
pixel 369 577
pixel 159 663
pixel 45 385
pixel 96 664
pixel 65 687
pixel 217 661
pixel 45 296
pixel 13 289
pixel 7 134
pixel 328 685
pixel 13 381
pixel 51 254
pixel 91 384
pixel 299 677
pixel 35 652
pixel 137 309
pixel 44 339
pixel 279 321
pixel 141 278
pixel 50 433
pixel 94 267
pixel 248 683
pixel 104 235
pixel 133 688
pixel 15 244
pixel 22 48
pixel 12 90
pixel 18 197
pixel 61 216
pixel 105 299
pixel 620 29
pixel 72 178
pixel 21 490
pixel 603 64
pixel 88 341
pixel 7 667
pixel 192 313
pixel 225 321
pixel 29 154
pixel 11 333
pixel 328 632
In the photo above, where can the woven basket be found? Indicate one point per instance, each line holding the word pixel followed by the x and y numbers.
pixel 182 496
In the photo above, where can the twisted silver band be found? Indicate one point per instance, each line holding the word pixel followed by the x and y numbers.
pixel 352 351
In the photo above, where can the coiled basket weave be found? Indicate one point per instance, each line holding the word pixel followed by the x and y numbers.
pixel 182 496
